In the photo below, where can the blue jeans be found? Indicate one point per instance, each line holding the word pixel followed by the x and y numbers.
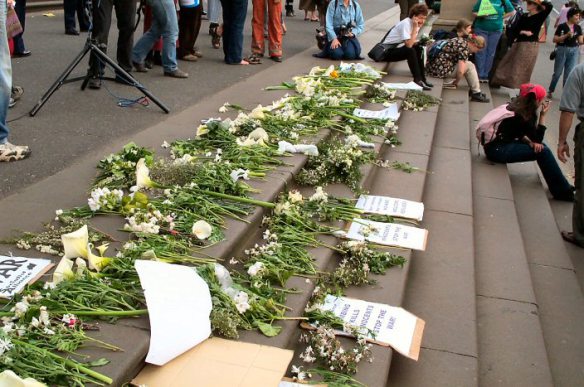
pixel 515 152
pixel 214 11
pixel 484 58
pixel 566 60
pixel 165 24
pixel 234 13
pixel 349 49
pixel 5 75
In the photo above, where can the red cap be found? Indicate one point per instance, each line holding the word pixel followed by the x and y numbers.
pixel 538 90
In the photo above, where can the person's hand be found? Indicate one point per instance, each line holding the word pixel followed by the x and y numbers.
pixel 563 152
pixel 335 44
pixel 350 35
pixel 536 147
pixel 545 107
pixel 10 3
pixel 526 33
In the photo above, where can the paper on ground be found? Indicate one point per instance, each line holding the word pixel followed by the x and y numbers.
pixel 389 113
pixel 403 86
pixel 392 325
pixel 220 363
pixel 179 305
pixel 385 205
pixel 388 234
pixel 17 272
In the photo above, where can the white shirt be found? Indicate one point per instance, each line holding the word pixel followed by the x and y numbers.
pixel 401 32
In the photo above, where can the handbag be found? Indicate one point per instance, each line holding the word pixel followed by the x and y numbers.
pixel 553 54
pixel 13 26
pixel 377 53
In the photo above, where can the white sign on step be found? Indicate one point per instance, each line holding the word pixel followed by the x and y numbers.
pixel 385 205
pixel 384 324
pixel 389 113
pixel 403 86
pixel 17 272
pixel 388 234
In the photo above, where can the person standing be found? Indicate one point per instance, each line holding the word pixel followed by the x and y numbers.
pixel 8 151
pixel 274 21
pixel 215 28
pixel 234 13
pixel 404 7
pixel 491 28
pixel 572 103
pixel 517 65
pixel 189 25
pixel 71 7
pixel 102 20
pixel 20 50
pixel 568 37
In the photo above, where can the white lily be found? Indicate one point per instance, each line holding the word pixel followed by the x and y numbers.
pixel 96 263
pixel 239 174
pixel 202 230
pixel 102 249
pixel 143 175
pixel 259 134
pixel 9 379
pixel 63 271
pixel 81 266
pixel 329 70
pixel 75 243
pixel 258 113
pixel 295 197
pixel 202 130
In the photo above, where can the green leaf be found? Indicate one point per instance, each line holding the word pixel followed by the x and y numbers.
pixel 268 329
pixel 98 362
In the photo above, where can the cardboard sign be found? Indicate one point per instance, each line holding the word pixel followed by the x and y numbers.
pixel 403 86
pixel 17 272
pixel 385 205
pixel 220 363
pixel 388 234
pixel 389 113
pixel 179 305
pixel 392 326
pixel 486 9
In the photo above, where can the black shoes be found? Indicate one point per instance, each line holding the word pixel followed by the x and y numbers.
pixel 94 83
pixel 140 67
pixel 23 54
pixel 430 85
pixel 479 97
pixel 71 31
pixel 424 86
pixel 277 59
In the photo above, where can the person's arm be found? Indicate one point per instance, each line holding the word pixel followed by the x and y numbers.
pixel 330 28
pixel 476 7
pixel 559 37
pixel 569 105
pixel 414 34
pixel 566 119
pixel 359 20
pixel 509 9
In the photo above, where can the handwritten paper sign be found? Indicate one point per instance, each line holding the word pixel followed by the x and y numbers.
pixel 403 86
pixel 385 205
pixel 17 272
pixel 388 234
pixel 389 113
pixel 385 324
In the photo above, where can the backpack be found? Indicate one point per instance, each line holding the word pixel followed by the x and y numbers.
pixel 489 124
pixel 435 49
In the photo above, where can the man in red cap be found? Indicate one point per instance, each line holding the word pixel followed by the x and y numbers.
pixel 572 103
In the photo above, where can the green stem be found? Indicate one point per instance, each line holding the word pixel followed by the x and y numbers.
pixel 239 199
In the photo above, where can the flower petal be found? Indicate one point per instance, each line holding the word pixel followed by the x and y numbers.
pixel 202 230
pixel 75 243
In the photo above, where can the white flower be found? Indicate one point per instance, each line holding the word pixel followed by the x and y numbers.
pixel 319 196
pixel 81 266
pixel 223 108
pixel 242 302
pixel 255 269
pixel 202 130
pixel 143 175
pixel 329 70
pixel 96 263
pixel 257 113
pixel 59 212
pixel 75 243
pixel 44 316
pixel 259 134
pixel 282 208
pixel 63 271
pixel 202 230
pixel 23 245
pixel 295 197
pixel 20 308
pixel 248 142
pixel 5 345
pixel 239 174
pixel 69 319
pixel 165 145
pixel 233 261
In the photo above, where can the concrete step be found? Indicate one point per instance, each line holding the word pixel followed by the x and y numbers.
pixel 511 347
pixel 441 286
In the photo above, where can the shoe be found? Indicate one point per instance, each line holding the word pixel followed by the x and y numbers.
pixel 16 93
pixel 430 85
pixel 254 59
pixel 148 64
pixel 176 73
pixel 569 237
pixel 12 103
pixel 190 58
pixel 277 59
pixel 197 53
pixel 11 152
pixel 94 83
pixel 423 85
pixel 290 11
pixel 566 197
pixel 23 54
pixel 550 95
pixel 71 31
pixel 140 67
pixel 479 97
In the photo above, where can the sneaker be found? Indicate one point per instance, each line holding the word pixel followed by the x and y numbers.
pixel 190 58
pixel 11 152
pixel 140 67
pixel 94 83
pixel 479 97
pixel 177 73
pixel 17 92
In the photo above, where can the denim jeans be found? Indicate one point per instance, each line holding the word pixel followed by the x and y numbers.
pixel 566 60
pixel 234 13
pixel 515 152
pixel 5 75
pixel 349 49
pixel 215 11
pixel 484 58
pixel 165 24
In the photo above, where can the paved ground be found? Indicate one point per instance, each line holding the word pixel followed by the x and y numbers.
pixel 74 122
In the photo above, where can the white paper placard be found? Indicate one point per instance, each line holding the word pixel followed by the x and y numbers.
pixel 392 325
pixel 179 306
pixel 389 113
pixel 388 234
pixel 17 272
pixel 385 205
pixel 403 86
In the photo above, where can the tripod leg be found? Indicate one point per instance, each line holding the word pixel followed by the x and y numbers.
pixel 60 81
pixel 131 80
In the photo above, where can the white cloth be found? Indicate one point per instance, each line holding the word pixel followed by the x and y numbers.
pixel 401 32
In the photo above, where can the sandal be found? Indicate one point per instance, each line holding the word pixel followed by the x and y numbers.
pixel 216 33
pixel 569 237
pixel 254 59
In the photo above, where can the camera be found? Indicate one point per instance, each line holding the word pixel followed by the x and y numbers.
pixel 346 29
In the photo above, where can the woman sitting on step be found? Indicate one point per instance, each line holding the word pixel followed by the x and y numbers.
pixel 519 137
pixel 452 61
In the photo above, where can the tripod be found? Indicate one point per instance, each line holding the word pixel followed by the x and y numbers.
pixel 91 47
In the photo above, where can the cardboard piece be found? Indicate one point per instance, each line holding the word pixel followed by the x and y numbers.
pixel 393 326
pixel 486 9
pixel 17 272
pixel 388 234
pixel 389 113
pixel 179 305
pixel 403 86
pixel 220 363
pixel 287 382
pixel 385 205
